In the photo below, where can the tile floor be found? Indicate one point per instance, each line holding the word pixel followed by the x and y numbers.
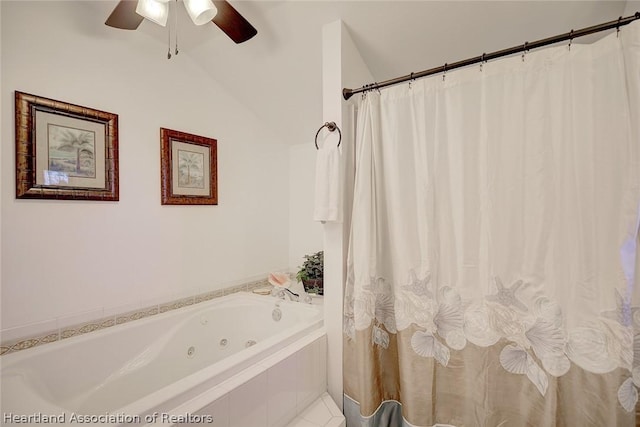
pixel 321 413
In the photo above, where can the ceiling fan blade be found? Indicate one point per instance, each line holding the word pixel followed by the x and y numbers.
pixel 232 23
pixel 124 16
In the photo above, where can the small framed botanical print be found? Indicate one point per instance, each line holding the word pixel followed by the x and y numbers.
pixel 188 167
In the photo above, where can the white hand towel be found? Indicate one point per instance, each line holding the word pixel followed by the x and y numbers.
pixel 328 196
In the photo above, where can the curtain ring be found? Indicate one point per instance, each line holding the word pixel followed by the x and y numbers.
pixel 524 50
pixel 367 89
pixel 410 79
pixel 444 73
pixel 482 61
pixel 332 126
pixel 618 26
pixel 570 38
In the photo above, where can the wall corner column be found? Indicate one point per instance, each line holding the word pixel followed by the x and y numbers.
pixel 333 233
pixel 342 66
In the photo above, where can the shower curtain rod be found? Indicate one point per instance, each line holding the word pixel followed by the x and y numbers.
pixel 348 93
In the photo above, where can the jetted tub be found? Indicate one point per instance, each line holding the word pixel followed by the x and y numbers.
pixel 123 374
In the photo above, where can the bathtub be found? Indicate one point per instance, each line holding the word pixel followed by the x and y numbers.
pixel 130 373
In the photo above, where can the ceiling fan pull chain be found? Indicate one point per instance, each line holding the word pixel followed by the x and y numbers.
pixel 168 40
pixel 175 14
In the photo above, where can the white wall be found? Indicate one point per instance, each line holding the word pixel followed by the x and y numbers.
pixel 64 257
pixel 342 66
pixel 305 234
pixel 631 8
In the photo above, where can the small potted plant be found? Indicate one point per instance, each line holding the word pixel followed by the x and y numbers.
pixel 311 272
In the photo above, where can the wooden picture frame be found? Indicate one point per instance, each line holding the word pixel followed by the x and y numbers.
pixel 64 151
pixel 188 168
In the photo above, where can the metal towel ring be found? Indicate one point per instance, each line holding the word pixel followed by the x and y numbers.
pixel 331 126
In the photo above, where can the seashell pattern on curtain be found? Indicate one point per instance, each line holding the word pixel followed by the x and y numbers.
pixel 492 276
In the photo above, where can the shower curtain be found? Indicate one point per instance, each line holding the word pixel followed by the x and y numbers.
pixel 491 269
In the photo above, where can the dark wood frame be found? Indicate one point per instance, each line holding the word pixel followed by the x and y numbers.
pixel 26 106
pixel 166 168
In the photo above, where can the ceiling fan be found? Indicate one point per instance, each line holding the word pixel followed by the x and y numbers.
pixel 128 14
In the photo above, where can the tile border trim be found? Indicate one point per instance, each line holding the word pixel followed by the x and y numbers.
pixel 58 334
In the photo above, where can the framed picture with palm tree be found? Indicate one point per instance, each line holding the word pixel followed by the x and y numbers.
pixel 65 151
pixel 188 168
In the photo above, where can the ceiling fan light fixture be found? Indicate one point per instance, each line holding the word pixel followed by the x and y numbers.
pixel 154 10
pixel 200 11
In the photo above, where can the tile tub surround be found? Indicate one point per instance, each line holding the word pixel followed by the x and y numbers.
pixel 272 393
pixel 24 337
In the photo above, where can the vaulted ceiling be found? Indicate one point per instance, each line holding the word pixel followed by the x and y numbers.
pixel 277 74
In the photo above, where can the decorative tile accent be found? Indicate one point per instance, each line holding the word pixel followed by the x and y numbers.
pixel 234 289
pixel 107 322
pixel 176 304
pixel 257 285
pixel 136 315
pixel 76 320
pixel 29 342
pixel 208 296
pixel 72 331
